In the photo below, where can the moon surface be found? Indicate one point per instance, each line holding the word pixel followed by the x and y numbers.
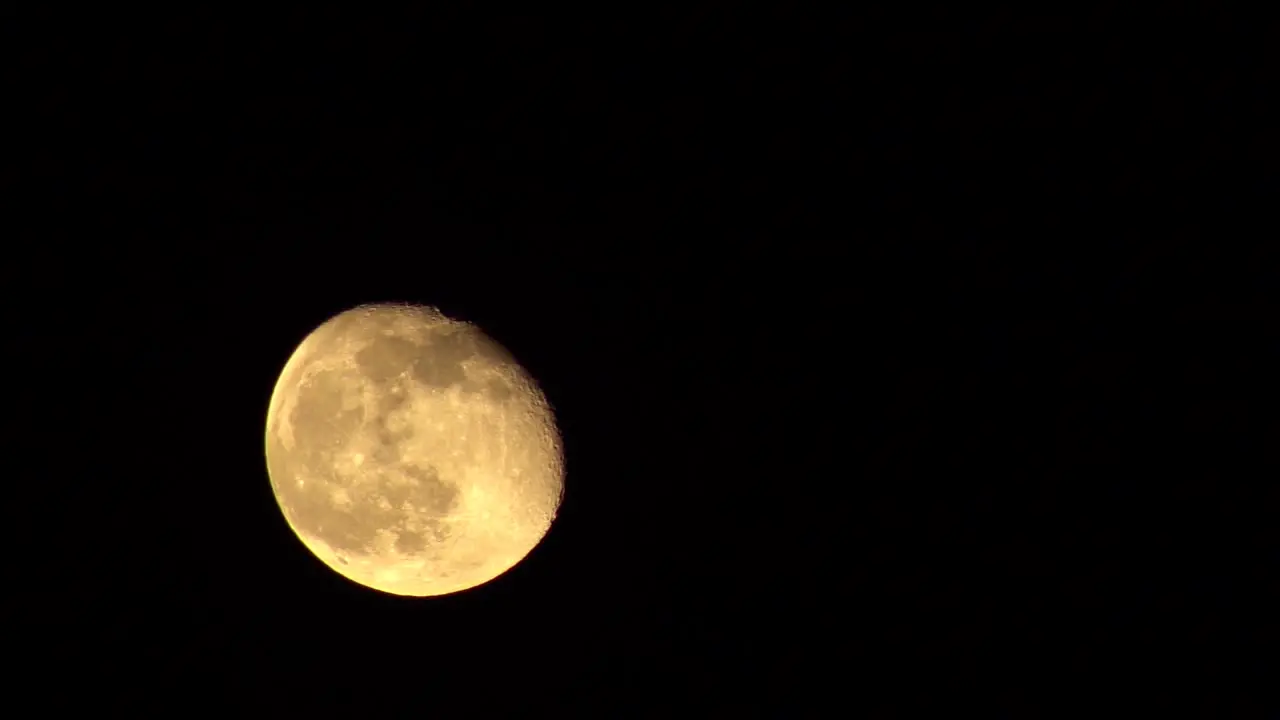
pixel 410 452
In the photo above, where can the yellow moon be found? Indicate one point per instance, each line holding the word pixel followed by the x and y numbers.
pixel 410 452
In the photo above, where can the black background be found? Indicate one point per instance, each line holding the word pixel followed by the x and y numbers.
pixel 897 361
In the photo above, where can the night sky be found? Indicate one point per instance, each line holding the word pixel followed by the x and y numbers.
pixel 898 363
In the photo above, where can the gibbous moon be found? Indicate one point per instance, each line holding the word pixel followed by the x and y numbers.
pixel 410 452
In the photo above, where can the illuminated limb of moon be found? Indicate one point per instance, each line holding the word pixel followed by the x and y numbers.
pixel 411 453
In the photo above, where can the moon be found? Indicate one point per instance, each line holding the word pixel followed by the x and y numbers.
pixel 410 452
